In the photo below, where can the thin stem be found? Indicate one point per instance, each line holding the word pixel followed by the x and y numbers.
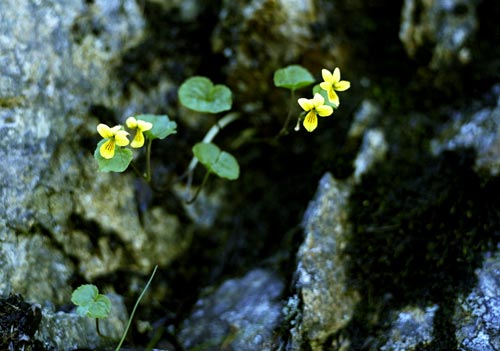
pixel 148 161
pixel 213 131
pixel 284 130
pixel 135 308
pixel 199 189
pixel 97 328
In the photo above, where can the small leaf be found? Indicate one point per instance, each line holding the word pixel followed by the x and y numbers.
pixel 226 166
pixel 324 93
pixel 199 94
pixel 293 77
pixel 216 161
pixel 162 126
pixel 84 294
pixel 90 303
pixel 118 163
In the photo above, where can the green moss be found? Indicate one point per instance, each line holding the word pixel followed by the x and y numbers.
pixel 420 227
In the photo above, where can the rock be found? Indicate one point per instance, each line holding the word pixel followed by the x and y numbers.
pixel 240 315
pixel 69 331
pixel 258 37
pixel 373 149
pixel 478 129
pixel 60 218
pixel 326 299
pixel 477 315
pixel 445 27
pixel 411 329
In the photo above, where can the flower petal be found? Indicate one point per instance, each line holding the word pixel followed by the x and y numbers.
pixel 131 122
pixel 324 110
pixel 306 104
pixel 333 97
pixel 107 149
pixel 325 86
pixel 342 85
pixel 138 140
pixel 318 100
pixel 311 121
pixel 336 75
pixel 104 131
pixel 121 138
pixel 143 125
pixel 327 76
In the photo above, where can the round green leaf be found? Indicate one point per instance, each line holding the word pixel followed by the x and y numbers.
pixel 162 126
pixel 118 163
pixel 90 303
pixel 226 166
pixel 199 94
pixel 324 93
pixel 206 153
pixel 293 77
pixel 216 161
pixel 84 294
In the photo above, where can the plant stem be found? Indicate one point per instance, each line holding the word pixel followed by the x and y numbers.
pixel 199 189
pixel 214 130
pixel 148 161
pixel 284 130
pixel 135 308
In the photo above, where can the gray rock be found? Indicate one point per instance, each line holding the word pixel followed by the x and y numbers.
pixel 477 315
pixel 69 331
pixel 478 129
pixel 373 149
pixel 411 328
pixel 59 216
pixel 327 301
pixel 240 315
pixel 449 25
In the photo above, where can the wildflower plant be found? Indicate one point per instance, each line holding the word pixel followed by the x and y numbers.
pixel 115 152
pixel 325 99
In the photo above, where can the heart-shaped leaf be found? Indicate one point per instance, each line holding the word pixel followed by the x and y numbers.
pixel 293 77
pixel 216 161
pixel 199 94
pixel 118 163
pixel 162 126
pixel 90 303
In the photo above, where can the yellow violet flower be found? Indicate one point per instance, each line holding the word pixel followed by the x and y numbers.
pixel 115 136
pixel 314 106
pixel 332 82
pixel 141 127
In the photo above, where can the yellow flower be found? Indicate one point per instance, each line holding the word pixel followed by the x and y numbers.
pixel 141 127
pixel 115 136
pixel 314 106
pixel 332 82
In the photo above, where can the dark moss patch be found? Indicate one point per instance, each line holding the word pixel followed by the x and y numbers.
pixel 420 226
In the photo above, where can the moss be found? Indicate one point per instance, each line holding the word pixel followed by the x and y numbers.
pixel 420 227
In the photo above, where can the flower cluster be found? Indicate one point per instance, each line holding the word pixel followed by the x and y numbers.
pixel 117 136
pixel 316 106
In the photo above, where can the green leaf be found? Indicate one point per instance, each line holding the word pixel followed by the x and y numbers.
pixel 324 93
pixel 216 161
pixel 162 126
pixel 199 94
pixel 293 77
pixel 118 163
pixel 90 303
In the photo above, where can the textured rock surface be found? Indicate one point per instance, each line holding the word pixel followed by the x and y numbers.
pixel 478 129
pixel 445 27
pixel 477 315
pixel 69 331
pixel 240 315
pixel 411 328
pixel 321 276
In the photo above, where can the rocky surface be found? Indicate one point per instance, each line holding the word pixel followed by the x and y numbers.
pixel 405 210
pixel 240 315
